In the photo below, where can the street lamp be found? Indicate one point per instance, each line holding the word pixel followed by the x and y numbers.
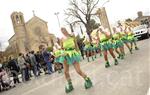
pixel 57 13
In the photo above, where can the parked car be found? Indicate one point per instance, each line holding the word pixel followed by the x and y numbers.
pixel 141 32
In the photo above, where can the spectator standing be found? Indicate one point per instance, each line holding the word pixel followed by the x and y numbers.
pixel 43 63
pixel 23 66
pixel 38 59
pixel 14 68
pixel 33 63
pixel 27 59
pixel 47 59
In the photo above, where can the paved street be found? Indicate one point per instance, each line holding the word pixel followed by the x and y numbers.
pixel 130 77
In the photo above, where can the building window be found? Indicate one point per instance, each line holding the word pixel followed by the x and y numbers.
pixel 17 19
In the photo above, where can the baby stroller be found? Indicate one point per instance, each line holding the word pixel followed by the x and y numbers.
pixel 6 82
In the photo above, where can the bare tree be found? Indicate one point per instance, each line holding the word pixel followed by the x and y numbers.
pixel 81 12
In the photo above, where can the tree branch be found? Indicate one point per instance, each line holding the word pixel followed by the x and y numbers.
pixel 73 3
pixel 94 6
pixel 82 13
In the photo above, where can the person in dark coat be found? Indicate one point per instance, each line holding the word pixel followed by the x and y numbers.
pixel 33 63
pixel 14 68
pixel 47 59
pixel 42 62
pixel 38 59
pixel 27 59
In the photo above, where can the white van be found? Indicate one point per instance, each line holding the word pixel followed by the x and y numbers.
pixel 141 31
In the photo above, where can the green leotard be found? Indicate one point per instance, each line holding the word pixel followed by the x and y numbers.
pixel 69 43
pixel 117 42
pixel 105 42
pixel 71 54
pixel 131 37
pixel 124 37
pixel 88 46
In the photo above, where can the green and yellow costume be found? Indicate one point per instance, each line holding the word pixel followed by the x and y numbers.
pixel 88 46
pixel 131 37
pixel 59 58
pixel 105 43
pixel 70 52
pixel 124 37
pixel 95 47
pixel 71 55
pixel 117 42
pixel 89 49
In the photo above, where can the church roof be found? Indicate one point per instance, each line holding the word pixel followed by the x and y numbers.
pixel 12 37
pixel 143 17
pixel 34 18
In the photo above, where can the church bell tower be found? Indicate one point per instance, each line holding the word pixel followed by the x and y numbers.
pixel 20 30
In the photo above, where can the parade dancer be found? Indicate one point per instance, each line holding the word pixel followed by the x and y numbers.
pixel 72 57
pixel 99 46
pixel 106 45
pixel 118 44
pixel 88 49
pixel 124 37
pixel 131 37
pixel 96 47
